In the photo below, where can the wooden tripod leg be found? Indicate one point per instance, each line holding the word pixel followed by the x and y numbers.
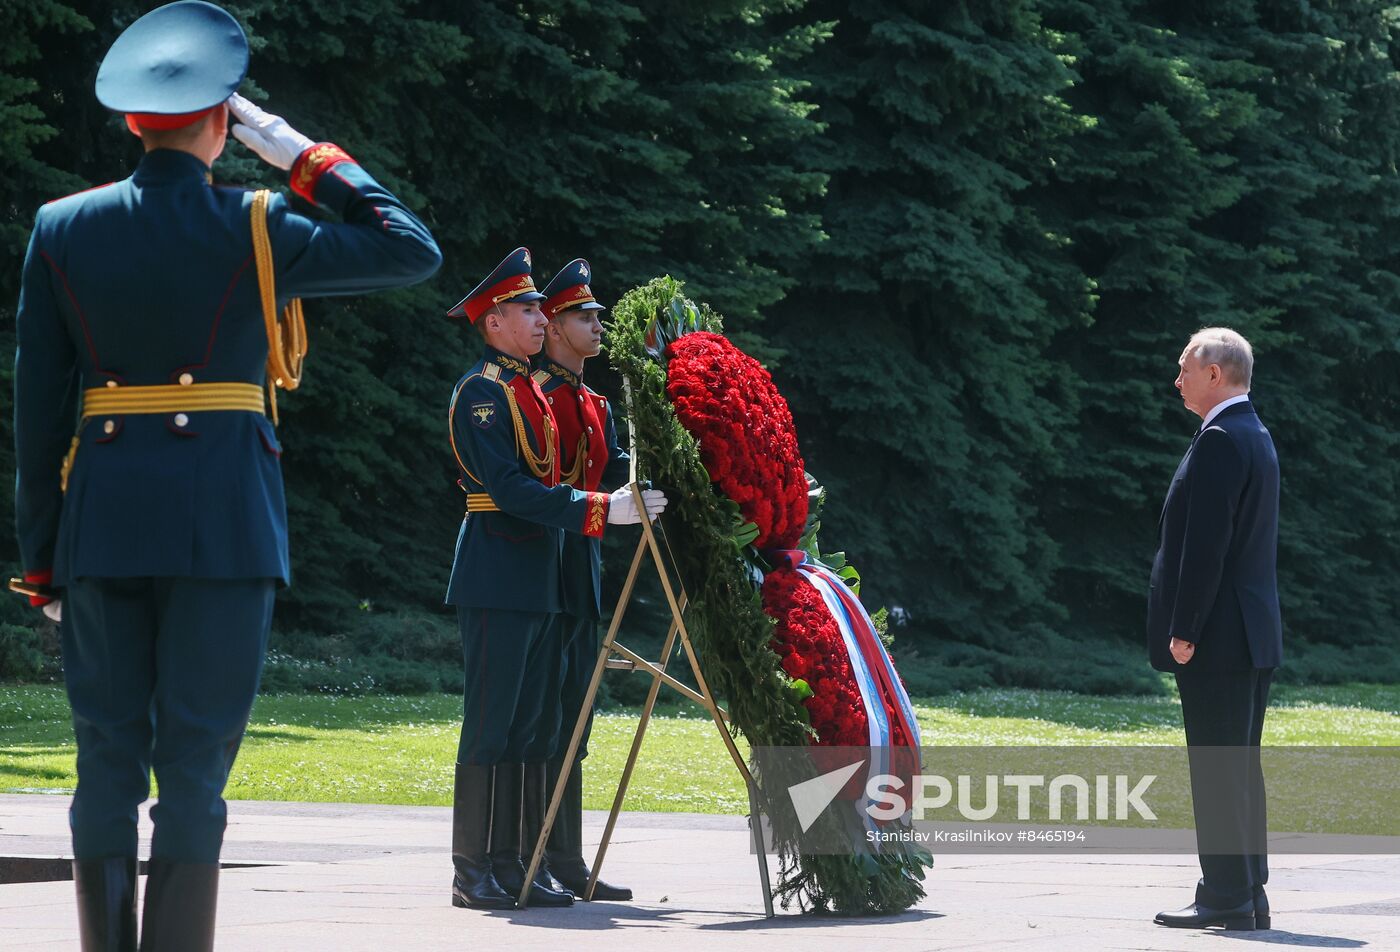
pixel 605 649
pixel 713 708
pixel 632 754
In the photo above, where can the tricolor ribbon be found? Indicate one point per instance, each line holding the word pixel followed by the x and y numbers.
pixel 881 690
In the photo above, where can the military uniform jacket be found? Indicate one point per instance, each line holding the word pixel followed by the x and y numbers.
pixel 590 458
pixel 510 546
pixel 149 281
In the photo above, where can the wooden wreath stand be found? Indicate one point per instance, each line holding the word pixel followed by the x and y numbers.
pixel 611 654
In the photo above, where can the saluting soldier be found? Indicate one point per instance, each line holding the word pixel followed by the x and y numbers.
pixel 140 318
pixel 506 586
pixel 589 458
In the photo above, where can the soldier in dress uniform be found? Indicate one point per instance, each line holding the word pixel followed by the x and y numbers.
pixel 161 524
pixel 506 587
pixel 589 458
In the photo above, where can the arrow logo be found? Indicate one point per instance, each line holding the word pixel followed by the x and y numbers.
pixel 811 797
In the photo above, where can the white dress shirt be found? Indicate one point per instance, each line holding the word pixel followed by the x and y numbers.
pixel 1216 410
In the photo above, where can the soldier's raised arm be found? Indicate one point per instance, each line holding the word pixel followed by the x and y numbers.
pixel 378 243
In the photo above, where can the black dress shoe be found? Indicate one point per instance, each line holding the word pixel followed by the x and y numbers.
pixel 1262 919
pixel 1196 916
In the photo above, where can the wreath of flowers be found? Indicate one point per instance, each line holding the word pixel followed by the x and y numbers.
pixel 710 425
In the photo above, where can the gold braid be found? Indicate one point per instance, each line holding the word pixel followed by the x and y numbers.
pixel 575 473
pixel 541 466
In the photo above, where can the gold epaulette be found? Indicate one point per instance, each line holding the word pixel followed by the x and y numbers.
pixel 541 377
pixel 491 371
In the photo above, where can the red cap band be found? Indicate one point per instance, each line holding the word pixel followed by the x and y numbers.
pixel 136 121
pixel 497 294
pixel 567 298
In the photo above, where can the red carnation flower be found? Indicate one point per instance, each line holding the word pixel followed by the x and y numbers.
pixel 748 443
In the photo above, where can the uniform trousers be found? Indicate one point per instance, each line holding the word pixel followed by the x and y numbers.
pixel 161 674
pixel 510 703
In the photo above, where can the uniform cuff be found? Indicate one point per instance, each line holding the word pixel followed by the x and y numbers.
pixel 44 578
pixel 596 515
pixel 312 164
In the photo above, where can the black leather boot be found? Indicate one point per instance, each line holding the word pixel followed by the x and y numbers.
pixel 473 885
pixel 566 842
pixel 507 819
pixel 536 805
pixel 1262 917
pixel 178 913
pixel 106 903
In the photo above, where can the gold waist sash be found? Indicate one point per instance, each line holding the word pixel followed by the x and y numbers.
pixel 172 398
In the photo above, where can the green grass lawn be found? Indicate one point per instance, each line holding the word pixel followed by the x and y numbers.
pixel 395 749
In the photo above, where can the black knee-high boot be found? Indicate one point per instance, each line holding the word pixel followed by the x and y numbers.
pixel 473 885
pixel 566 842
pixel 507 809
pixel 106 903
pixel 178 912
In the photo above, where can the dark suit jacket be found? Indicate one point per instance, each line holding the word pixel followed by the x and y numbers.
pixel 1214 580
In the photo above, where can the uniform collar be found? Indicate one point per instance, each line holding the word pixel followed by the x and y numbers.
pixel 170 165
pixel 506 361
pixel 563 373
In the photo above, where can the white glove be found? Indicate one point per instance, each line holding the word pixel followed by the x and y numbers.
pixel 622 506
pixel 275 142
pixel 54 610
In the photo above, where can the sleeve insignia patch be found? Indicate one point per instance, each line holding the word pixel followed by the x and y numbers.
pixel 483 414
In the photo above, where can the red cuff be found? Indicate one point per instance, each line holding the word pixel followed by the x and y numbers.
pixel 44 578
pixel 596 516
pixel 312 164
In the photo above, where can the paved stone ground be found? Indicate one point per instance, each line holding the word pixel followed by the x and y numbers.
pixel 346 877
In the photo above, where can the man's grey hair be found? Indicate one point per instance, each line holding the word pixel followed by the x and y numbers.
pixel 1229 349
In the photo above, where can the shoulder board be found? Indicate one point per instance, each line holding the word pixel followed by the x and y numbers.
pixel 541 377
pixel 463 382
pixel 491 371
pixel 79 192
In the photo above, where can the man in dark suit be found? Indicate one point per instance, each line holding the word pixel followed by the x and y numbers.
pixel 160 520
pixel 1213 621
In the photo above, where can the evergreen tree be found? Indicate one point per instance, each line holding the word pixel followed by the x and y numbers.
pixel 917 340
pixel 1240 171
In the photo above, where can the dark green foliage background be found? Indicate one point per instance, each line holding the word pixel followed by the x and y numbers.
pixel 969 239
